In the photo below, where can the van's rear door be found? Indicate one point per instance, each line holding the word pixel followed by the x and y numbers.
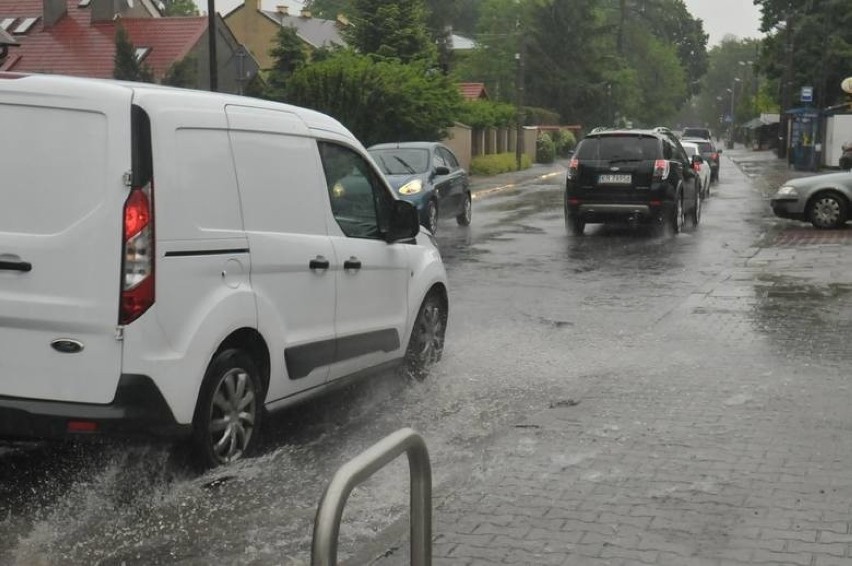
pixel 64 150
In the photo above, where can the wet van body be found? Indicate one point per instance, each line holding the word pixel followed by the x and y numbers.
pixel 176 262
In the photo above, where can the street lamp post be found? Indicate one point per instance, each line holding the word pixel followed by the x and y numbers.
pixel 733 90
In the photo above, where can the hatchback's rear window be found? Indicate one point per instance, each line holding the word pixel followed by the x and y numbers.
pixel 613 148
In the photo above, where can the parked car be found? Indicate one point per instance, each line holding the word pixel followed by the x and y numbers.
pixel 200 260
pixel 710 153
pixel 428 175
pixel 701 133
pixel 701 166
pixel 822 200
pixel 637 176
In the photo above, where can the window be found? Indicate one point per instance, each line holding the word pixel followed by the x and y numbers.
pixel 668 151
pixel 359 201
pixel 610 148
pixel 141 53
pixel 25 25
pixel 451 160
pixel 438 159
pixel 6 23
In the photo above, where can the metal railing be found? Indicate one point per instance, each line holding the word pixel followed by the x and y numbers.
pixel 358 470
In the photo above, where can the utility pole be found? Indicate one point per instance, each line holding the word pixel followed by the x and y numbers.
pixel 211 45
pixel 786 83
pixel 519 142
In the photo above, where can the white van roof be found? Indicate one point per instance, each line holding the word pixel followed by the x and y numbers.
pixel 156 95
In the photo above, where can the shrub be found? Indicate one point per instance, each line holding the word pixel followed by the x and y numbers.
pixel 545 149
pixel 498 163
pixel 564 141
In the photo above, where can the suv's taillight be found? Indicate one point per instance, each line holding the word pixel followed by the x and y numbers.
pixel 137 266
pixel 661 169
pixel 573 166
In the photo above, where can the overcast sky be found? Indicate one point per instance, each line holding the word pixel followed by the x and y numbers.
pixel 721 17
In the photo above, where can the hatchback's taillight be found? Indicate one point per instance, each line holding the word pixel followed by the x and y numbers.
pixel 661 169
pixel 573 166
pixel 137 266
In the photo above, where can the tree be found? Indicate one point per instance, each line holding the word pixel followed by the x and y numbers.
pixel 183 73
pixel 729 77
pixel 290 54
pixel 127 66
pixel 330 9
pixel 391 29
pixel 807 44
pixel 569 59
pixel 378 100
pixel 180 8
pixel 493 59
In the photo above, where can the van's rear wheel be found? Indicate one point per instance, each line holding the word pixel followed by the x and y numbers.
pixel 228 414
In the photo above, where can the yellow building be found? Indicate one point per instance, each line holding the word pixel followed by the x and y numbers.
pixel 256 27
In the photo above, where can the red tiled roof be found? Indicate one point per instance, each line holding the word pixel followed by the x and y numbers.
pixel 473 91
pixel 75 46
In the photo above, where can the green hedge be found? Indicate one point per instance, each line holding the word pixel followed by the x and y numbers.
pixel 545 149
pixel 498 163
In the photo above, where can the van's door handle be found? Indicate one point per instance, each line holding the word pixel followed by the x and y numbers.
pixel 352 263
pixel 319 263
pixel 16 266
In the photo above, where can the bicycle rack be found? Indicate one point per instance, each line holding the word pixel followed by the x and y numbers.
pixel 358 470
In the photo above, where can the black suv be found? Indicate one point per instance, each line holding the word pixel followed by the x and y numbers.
pixel 637 176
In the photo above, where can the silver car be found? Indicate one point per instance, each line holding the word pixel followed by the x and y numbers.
pixel 822 200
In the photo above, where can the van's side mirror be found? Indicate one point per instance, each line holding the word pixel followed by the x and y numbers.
pixel 719 150
pixel 404 224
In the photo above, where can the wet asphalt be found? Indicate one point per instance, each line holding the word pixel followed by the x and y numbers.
pixel 538 319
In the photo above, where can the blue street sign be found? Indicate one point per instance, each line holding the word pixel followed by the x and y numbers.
pixel 807 94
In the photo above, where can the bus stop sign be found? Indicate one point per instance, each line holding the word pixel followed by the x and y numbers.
pixel 807 94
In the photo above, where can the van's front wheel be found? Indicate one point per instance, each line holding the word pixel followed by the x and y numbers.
pixel 427 337
pixel 229 410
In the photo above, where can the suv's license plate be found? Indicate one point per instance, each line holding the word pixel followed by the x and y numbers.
pixel 614 179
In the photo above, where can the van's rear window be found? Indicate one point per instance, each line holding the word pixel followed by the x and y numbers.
pixel 609 148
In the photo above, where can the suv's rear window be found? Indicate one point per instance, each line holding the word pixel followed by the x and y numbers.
pixel 612 148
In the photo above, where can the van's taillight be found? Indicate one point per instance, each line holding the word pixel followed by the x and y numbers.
pixel 714 156
pixel 573 165
pixel 137 269
pixel 661 169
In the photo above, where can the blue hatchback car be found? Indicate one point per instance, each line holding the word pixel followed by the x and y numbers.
pixel 428 175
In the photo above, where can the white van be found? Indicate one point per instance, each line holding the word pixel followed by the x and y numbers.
pixel 176 262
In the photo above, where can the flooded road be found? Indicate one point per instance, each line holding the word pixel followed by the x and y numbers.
pixel 538 319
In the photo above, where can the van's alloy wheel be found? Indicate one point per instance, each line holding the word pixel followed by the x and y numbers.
pixel 427 337
pixel 828 211
pixel 227 418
